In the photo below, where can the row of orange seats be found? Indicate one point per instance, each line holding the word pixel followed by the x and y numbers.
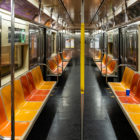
pixel 107 65
pixel 129 104
pixel 31 93
pixel 57 64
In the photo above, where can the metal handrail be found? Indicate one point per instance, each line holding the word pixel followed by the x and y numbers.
pixel 97 60
pixel 43 64
pixel 121 65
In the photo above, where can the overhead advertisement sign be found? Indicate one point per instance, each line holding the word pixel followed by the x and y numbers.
pixel 67 43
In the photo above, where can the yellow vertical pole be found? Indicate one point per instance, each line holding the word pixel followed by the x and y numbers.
pixel 82 68
pixel 82 59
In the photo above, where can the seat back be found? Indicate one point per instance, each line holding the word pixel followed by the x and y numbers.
pixel 66 54
pixel 52 65
pixel 125 74
pixel 99 55
pixel 25 85
pixel 31 81
pixel 112 65
pixel 134 83
pixel 58 59
pixel 137 95
pixel 2 112
pixel 129 78
pixel 39 72
pixel 6 95
pixel 36 76
pixel 104 59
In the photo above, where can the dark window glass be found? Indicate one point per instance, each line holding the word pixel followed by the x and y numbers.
pixel 34 42
pixel 5 59
pixel 131 49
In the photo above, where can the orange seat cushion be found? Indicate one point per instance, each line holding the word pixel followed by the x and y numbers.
pixel 122 93
pixel 135 117
pixel 5 126
pixel 138 127
pixel 132 108
pixel 130 100
pixel 35 98
pixel 20 128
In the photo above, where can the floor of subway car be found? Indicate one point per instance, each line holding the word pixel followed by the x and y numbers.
pixel 60 118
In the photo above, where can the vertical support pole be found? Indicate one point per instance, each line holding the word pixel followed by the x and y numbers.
pixel 82 68
pixel 45 55
pixel 12 68
pixel 106 44
pixel 39 19
pixel 39 32
pixel 119 73
pixel 57 60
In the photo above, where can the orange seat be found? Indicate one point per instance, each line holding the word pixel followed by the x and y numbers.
pixel 125 73
pixel 5 125
pixel 98 55
pixel 53 67
pixel 126 81
pixel 133 87
pixel 135 98
pixel 104 62
pixel 64 64
pixel 99 64
pixel 110 68
pixel 32 85
pixel 38 80
pixel 30 93
pixel 66 55
pixel 22 107
pixel 60 63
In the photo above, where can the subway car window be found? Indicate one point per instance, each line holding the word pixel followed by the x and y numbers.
pixel 41 45
pixel 49 42
pixel 131 48
pixel 53 43
pixel 110 44
pixel 34 42
pixel 115 44
pixel 20 43
pixel 5 59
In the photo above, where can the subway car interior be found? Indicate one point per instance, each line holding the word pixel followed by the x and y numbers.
pixel 69 69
